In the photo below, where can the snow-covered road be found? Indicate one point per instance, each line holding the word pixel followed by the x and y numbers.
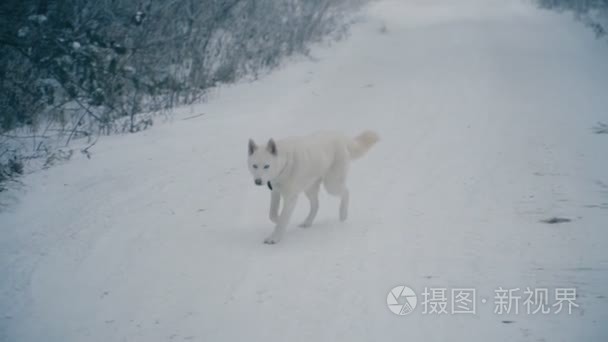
pixel 485 110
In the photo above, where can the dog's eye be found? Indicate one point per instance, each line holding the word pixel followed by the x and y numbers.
pixel 266 166
pixel 255 166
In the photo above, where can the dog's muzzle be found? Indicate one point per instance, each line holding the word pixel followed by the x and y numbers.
pixel 258 182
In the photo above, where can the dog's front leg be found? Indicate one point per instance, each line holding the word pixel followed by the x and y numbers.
pixel 275 198
pixel 289 203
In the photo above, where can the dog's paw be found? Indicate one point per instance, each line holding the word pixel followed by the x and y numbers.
pixel 343 216
pixel 272 239
pixel 305 224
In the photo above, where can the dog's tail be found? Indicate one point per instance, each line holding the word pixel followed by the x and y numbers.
pixel 358 146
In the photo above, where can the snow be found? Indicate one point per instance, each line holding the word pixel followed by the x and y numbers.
pixel 24 31
pixel 38 18
pixel 486 112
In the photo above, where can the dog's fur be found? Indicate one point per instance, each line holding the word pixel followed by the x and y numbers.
pixel 301 164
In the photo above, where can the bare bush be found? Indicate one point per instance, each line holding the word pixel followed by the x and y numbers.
pixel 79 68
pixel 593 13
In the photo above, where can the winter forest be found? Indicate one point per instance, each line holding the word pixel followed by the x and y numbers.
pixel 80 68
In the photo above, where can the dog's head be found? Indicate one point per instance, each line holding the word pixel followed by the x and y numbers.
pixel 264 163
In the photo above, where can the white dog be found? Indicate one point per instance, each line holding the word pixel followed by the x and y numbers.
pixel 301 164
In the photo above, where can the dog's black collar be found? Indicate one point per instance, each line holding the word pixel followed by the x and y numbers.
pixel 269 185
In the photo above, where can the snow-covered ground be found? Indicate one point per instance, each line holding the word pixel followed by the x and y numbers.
pixel 485 109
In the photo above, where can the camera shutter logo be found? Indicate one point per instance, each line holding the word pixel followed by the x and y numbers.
pixel 401 300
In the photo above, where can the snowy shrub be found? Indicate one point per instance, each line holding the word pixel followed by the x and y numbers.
pixel 78 68
pixel 9 169
pixel 115 58
pixel 594 13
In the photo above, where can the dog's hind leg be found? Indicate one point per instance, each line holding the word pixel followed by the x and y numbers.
pixel 313 196
pixel 344 204
pixel 336 186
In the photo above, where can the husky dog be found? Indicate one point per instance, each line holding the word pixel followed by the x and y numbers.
pixel 300 164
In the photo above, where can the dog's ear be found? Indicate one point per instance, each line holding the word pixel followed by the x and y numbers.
pixel 252 146
pixel 272 147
